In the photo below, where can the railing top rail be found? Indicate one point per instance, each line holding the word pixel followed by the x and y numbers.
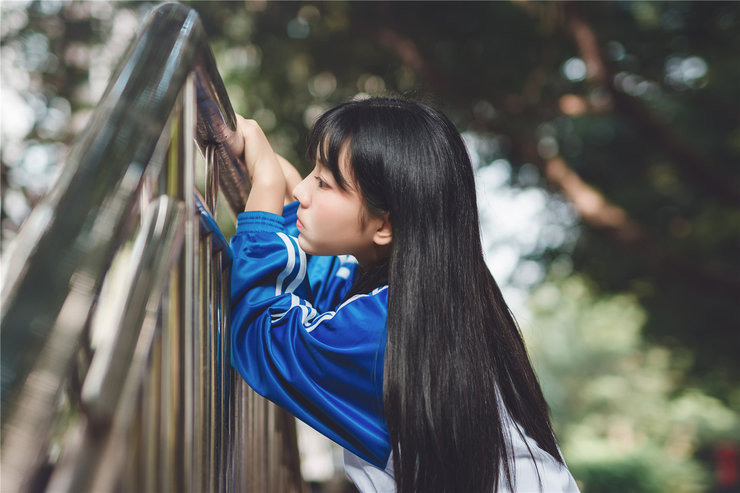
pixel 69 239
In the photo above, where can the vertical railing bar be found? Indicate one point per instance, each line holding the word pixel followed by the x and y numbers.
pixel 214 328
pixel 273 446
pixel 218 388
pixel 251 416
pixel 196 473
pixel 173 188
pixel 148 457
pixel 154 411
pixel 225 367
pixel 256 469
pixel 210 363
pixel 203 416
pixel 173 374
pixel 212 373
pixel 246 480
pixel 189 262
pixel 255 442
pixel 164 398
pixel 182 279
pixel 132 476
pixel 171 319
pixel 205 245
pixel 249 438
pixel 240 435
pixel 263 442
pixel 228 400
pixel 260 432
pixel 234 451
pixel 252 440
pixel 233 435
pixel 224 361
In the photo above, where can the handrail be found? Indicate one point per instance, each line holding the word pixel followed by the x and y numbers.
pixel 126 201
pixel 173 44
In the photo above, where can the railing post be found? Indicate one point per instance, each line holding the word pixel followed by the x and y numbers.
pixel 156 406
pixel 190 286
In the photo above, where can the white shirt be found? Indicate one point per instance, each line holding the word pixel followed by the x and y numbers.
pixel 554 477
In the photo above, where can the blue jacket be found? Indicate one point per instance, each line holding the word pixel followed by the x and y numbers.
pixel 298 344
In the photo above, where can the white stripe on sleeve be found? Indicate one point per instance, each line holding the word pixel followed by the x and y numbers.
pixel 288 266
pixel 301 272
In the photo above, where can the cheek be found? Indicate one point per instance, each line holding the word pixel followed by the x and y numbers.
pixel 322 211
pixel 337 217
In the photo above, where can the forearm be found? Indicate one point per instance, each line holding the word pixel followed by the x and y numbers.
pixel 292 177
pixel 268 188
pixel 265 171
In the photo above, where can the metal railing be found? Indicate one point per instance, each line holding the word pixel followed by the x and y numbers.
pixel 115 359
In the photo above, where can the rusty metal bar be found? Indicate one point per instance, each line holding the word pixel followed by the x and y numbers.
pixel 138 312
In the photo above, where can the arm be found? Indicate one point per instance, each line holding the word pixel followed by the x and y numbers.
pixel 260 160
pixel 323 366
pixel 292 178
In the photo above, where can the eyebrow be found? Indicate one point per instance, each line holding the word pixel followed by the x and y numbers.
pixel 346 184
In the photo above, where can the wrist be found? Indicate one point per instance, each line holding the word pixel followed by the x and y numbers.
pixel 268 190
pixel 268 178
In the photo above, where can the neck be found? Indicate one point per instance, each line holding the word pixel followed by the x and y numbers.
pixel 375 255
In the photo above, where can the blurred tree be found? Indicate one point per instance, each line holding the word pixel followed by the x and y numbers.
pixel 623 421
pixel 56 59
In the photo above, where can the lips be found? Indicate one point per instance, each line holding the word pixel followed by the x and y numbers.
pixel 299 225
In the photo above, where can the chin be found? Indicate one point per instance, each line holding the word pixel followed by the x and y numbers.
pixel 306 248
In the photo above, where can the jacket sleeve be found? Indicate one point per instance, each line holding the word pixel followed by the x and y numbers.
pixel 324 366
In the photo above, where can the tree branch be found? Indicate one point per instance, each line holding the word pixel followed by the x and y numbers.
pixel 597 212
pixel 677 148
pixel 593 208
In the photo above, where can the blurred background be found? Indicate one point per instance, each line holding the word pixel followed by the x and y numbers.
pixel 606 142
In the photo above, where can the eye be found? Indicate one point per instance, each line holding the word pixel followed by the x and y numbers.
pixel 321 183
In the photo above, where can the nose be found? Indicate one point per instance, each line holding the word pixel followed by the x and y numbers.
pixel 300 192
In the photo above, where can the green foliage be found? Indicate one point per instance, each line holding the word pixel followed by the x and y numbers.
pixel 646 472
pixel 624 422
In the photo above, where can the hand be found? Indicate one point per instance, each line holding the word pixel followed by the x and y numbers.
pixel 263 166
pixel 255 143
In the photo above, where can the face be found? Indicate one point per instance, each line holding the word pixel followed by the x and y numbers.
pixel 330 220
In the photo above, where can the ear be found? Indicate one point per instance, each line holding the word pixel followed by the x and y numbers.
pixel 383 235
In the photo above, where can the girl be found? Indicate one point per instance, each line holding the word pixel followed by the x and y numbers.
pixel 366 309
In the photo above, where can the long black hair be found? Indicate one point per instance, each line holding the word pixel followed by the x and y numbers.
pixel 454 354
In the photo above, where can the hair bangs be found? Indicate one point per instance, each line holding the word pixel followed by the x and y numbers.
pixel 328 137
